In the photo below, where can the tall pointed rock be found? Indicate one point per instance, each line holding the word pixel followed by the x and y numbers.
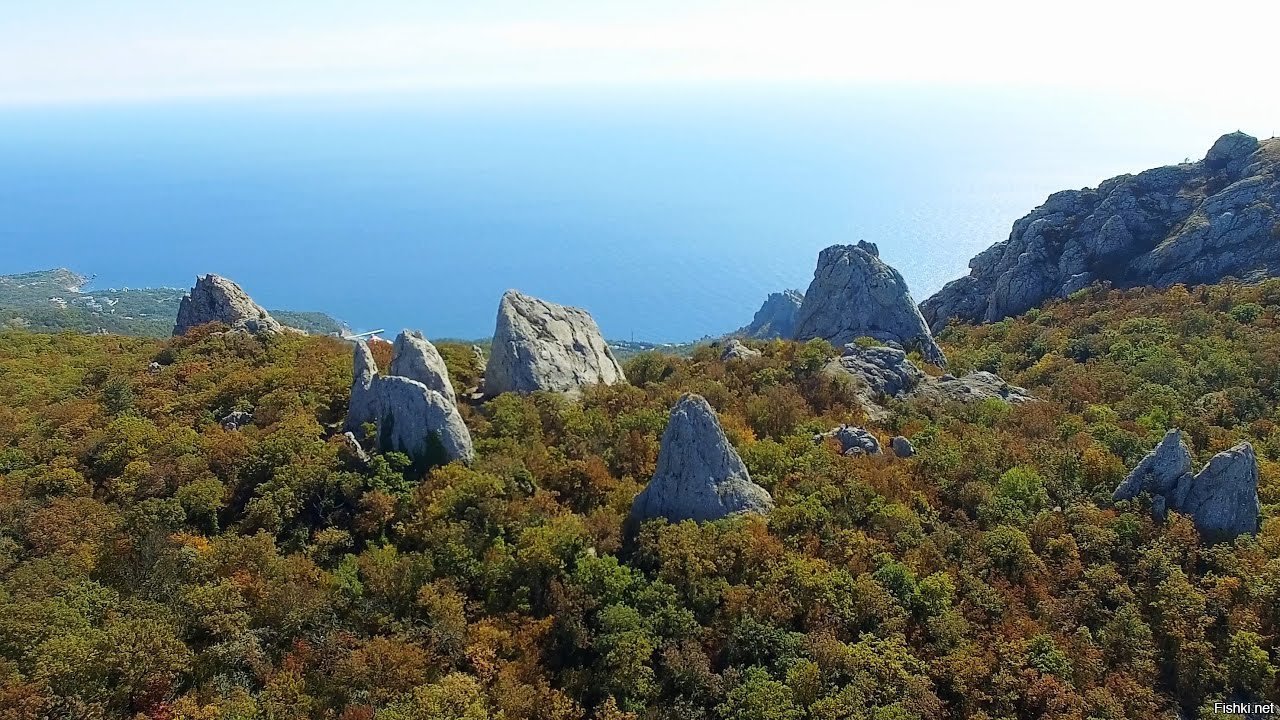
pixel 699 476
pixel 414 357
pixel 855 294
pixel 217 299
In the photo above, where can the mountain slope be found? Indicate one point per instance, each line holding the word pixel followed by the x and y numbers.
pixel 1192 223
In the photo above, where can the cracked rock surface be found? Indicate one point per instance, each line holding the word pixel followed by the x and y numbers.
pixel 540 345
pixel 1193 223
pixel 855 294
pixel 217 299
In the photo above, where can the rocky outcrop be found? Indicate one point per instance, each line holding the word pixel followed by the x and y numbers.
pixel 972 387
pixel 776 318
pixel 699 475
pixel 902 447
pixel 1221 499
pixel 1165 471
pixel 881 374
pixel 852 440
pixel 236 420
pixel 735 349
pixel 414 357
pixel 855 294
pixel 543 346
pixel 883 371
pixel 410 417
pixel 1193 223
pixel 215 299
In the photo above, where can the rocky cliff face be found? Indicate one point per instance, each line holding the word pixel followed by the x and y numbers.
pixel 1192 223
pixel 411 416
pixel 217 299
pixel 699 475
pixel 543 346
pixel 1222 499
pixel 855 294
pixel 776 318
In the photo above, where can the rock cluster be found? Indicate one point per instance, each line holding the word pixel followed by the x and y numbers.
pixel 880 374
pixel 699 475
pixel 543 346
pixel 411 415
pixel 217 299
pixel 735 349
pixel 853 440
pixel 855 294
pixel 776 318
pixel 236 420
pixel 1192 223
pixel 1222 499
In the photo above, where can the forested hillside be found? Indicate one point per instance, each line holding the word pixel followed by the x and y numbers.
pixel 156 565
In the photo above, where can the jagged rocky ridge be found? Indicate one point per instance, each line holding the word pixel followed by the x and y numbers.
pixel 1192 223
pixel 540 345
pixel 1222 499
pixel 410 415
pixel 855 294
pixel 776 318
pixel 217 299
pixel 699 475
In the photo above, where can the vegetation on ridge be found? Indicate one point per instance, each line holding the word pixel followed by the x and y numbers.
pixel 154 564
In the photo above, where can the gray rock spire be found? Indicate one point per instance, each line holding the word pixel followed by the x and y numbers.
pixel 217 299
pixel 699 475
pixel 855 294
pixel 414 357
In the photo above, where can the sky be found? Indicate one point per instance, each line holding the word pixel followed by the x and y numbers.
pixel 95 51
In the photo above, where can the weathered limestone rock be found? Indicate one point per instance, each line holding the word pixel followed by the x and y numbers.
pixel 735 349
pixel 543 346
pixel 973 387
pixel 699 475
pixel 884 373
pixel 410 417
pixel 1193 223
pixel 883 370
pixel 351 446
pixel 217 299
pixel 853 440
pixel 902 447
pixel 855 294
pixel 776 318
pixel 1165 471
pixel 414 357
pixel 1223 501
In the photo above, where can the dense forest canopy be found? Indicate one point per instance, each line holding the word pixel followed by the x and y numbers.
pixel 154 564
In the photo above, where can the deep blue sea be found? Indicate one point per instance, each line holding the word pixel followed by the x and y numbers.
pixel 668 214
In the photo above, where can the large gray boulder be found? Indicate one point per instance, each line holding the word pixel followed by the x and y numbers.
pixel 1223 500
pixel 414 357
pixel 776 318
pixel 1165 471
pixel 540 345
pixel 410 417
pixel 217 299
pixel 855 294
pixel 735 349
pixel 883 371
pixel 1193 223
pixel 699 476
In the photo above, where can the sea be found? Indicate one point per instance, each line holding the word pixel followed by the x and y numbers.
pixel 668 213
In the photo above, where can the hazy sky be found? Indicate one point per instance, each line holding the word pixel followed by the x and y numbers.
pixel 107 50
